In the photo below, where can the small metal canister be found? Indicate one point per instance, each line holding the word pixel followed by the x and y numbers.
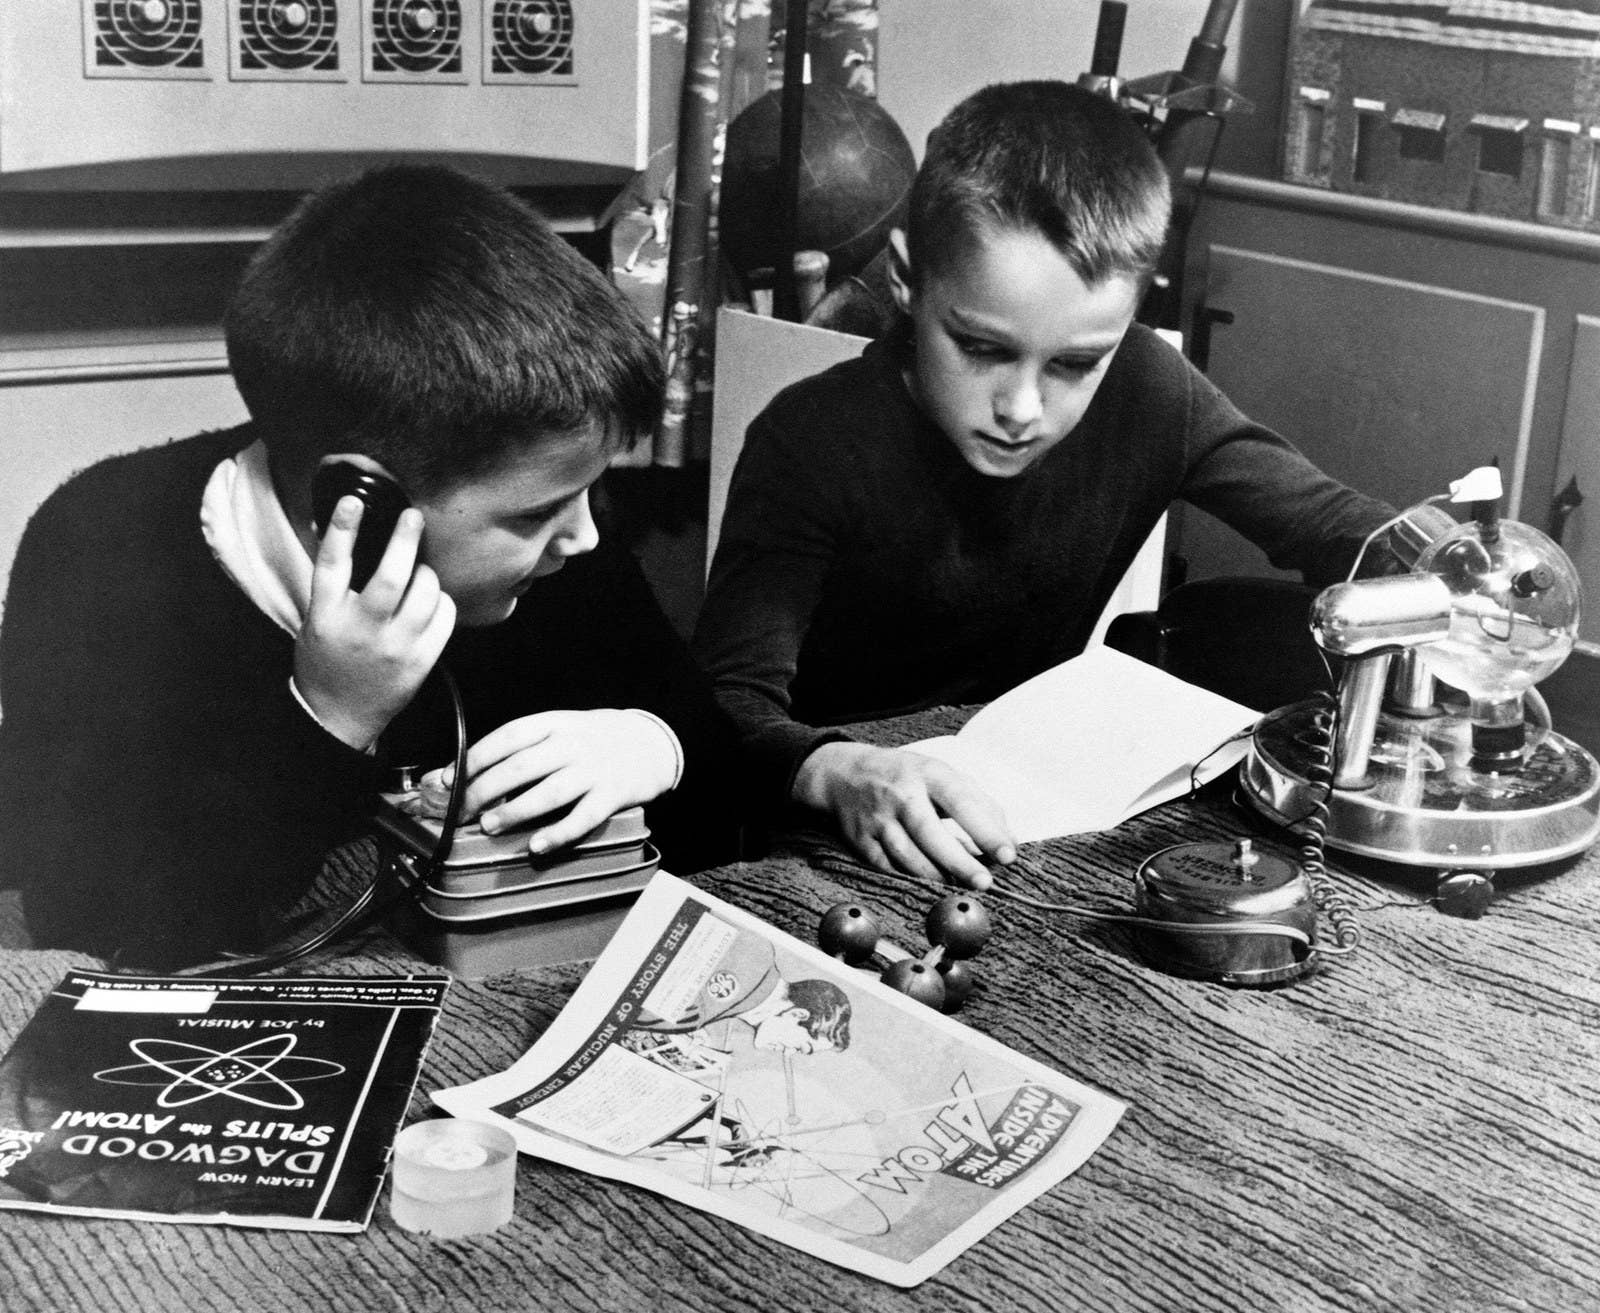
pixel 1220 883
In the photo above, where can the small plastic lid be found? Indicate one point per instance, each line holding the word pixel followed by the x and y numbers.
pixel 453 1177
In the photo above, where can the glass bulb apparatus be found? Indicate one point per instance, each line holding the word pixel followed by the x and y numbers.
pixel 1514 598
pixel 1402 774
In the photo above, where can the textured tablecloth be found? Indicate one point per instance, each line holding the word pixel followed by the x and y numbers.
pixel 1413 1128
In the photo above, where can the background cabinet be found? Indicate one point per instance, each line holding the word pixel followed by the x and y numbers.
pixel 1399 346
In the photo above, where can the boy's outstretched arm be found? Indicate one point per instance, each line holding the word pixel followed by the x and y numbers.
pixel 585 764
pixel 590 686
pixel 890 804
pixel 779 539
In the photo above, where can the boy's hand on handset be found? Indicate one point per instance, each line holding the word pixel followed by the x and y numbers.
pixel 361 657
pixel 894 808
pixel 593 762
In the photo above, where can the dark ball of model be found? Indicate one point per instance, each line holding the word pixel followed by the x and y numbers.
pixel 959 924
pixel 958 982
pixel 849 932
pixel 912 976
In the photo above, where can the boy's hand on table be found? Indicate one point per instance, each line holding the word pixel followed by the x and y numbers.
pixel 361 657
pixel 596 762
pixel 893 806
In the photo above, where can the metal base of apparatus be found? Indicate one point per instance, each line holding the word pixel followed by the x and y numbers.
pixel 1422 803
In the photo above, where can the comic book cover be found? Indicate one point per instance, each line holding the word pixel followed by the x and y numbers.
pixel 716 1060
pixel 270 1102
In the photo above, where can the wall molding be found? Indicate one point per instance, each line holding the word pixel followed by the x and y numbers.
pixel 1568 242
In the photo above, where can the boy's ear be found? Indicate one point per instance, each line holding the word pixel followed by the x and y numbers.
pixel 900 271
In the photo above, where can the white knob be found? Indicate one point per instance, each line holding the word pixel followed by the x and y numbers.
pixel 420 19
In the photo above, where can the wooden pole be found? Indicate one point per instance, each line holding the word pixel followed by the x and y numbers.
pixel 785 294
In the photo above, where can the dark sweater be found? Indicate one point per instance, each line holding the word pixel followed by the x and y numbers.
pixel 162 792
pixel 865 570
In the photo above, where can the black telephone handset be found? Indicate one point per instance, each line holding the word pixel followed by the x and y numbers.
pixel 382 500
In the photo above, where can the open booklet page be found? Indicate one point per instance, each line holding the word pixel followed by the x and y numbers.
pixel 712 1058
pixel 1093 741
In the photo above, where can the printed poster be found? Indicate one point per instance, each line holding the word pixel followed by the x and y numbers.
pixel 714 1059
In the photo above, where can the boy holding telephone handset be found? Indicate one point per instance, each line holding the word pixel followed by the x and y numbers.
pixel 200 686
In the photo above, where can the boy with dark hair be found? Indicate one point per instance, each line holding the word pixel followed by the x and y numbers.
pixel 948 515
pixel 197 704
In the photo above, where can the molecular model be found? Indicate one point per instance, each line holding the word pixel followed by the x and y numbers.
pixel 957 928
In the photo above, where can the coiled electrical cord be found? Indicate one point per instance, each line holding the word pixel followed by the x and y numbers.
pixel 1312 829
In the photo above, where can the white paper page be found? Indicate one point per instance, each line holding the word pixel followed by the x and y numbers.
pixel 1036 806
pixel 1091 742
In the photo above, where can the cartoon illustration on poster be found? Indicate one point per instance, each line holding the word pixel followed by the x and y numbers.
pixel 740 1070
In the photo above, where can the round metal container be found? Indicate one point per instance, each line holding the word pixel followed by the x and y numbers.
pixel 1425 804
pixel 1225 884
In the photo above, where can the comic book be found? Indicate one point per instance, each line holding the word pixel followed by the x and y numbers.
pixel 269 1102
pixel 714 1059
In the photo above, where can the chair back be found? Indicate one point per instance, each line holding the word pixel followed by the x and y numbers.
pixel 756 358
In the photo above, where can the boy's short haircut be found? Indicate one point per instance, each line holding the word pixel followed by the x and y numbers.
pixel 434 322
pixel 1044 157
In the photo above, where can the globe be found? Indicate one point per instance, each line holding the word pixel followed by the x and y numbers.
pixel 856 168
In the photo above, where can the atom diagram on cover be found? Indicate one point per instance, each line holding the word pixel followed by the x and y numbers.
pixel 249 1073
